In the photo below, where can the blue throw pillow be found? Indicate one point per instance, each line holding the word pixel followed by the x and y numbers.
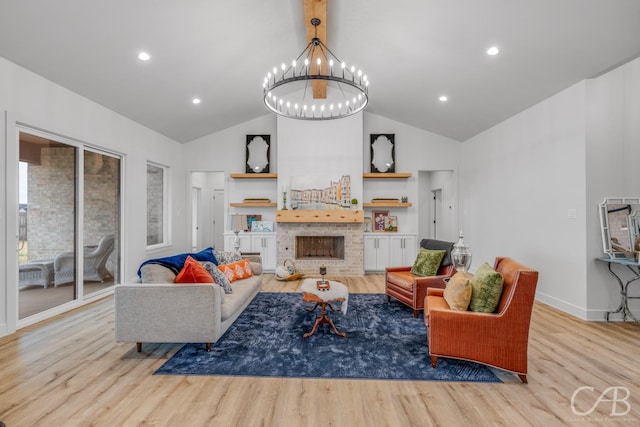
pixel 176 262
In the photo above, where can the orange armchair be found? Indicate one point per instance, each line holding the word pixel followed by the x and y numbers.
pixel 497 339
pixel 411 289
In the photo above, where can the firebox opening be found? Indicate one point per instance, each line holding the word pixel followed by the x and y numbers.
pixel 319 247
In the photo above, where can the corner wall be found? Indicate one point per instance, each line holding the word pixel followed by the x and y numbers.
pixel 518 181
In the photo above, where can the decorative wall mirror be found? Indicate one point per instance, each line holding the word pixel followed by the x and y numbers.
pixel 258 147
pixel 619 220
pixel 383 153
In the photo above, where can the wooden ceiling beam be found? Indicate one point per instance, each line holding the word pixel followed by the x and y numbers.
pixel 317 9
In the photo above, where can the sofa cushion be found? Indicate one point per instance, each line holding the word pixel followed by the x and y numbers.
pixel 218 276
pixel 176 262
pixel 237 270
pixel 439 245
pixel 227 257
pixel 427 262
pixel 193 272
pixel 457 293
pixel 156 273
pixel 486 287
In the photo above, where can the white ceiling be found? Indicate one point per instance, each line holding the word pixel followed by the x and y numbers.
pixel 412 50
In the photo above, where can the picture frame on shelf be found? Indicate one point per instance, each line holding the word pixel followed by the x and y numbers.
pixel 383 152
pixel 391 223
pixel 262 226
pixel 378 220
pixel 258 150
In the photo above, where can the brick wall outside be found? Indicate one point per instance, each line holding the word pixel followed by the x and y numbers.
pixel 51 203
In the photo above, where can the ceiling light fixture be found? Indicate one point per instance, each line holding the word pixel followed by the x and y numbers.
pixel 288 91
pixel 144 56
pixel 443 98
pixel 196 100
pixel 493 51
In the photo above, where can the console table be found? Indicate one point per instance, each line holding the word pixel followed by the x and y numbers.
pixel 632 266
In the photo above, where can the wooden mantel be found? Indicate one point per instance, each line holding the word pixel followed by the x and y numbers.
pixel 310 216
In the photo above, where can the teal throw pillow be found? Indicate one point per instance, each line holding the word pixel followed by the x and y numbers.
pixel 427 262
pixel 486 289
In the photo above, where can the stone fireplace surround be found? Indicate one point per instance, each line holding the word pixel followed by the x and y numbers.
pixel 351 265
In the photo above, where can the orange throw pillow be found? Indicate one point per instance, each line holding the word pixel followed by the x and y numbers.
pixel 237 270
pixel 193 272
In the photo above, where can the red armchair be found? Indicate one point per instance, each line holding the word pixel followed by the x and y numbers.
pixel 411 289
pixel 497 339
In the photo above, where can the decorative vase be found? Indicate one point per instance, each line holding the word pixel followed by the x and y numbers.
pixel 461 255
pixel 284 200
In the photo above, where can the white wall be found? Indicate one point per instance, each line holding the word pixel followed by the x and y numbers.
pixel 517 182
pixel 415 150
pixel 613 154
pixel 225 151
pixel 33 101
pixel 327 148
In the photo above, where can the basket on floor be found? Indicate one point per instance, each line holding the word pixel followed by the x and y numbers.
pixel 288 271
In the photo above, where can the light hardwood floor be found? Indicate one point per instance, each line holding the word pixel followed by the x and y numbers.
pixel 69 371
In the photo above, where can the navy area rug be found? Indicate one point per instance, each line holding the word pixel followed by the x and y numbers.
pixel 384 341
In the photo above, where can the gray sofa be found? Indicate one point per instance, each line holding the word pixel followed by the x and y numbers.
pixel 181 313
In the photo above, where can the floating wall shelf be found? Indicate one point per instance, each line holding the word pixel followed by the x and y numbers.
pixel 401 175
pixel 253 175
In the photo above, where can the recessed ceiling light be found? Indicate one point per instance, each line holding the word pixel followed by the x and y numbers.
pixel 144 56
pixel 443 98
pixel 493 51
pixel 196 100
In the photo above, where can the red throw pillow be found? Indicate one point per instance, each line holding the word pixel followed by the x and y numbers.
pixel 237 270
pixel 193 272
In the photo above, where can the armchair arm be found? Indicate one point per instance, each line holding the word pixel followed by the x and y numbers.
pixel 424 283
pixel 64 260
pixel 402 268
pixel 436 292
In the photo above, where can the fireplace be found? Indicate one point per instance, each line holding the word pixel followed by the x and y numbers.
pixel 319 247
pixel 345 260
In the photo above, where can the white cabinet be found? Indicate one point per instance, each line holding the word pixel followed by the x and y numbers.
pixel 230 241
pixel 376 252
pixel 402 250
pixel 263 243
pixel 388 250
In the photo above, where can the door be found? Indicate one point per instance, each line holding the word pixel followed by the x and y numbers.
pixel 196 219
pixel 218 218
pixel 437 213
pixel 69 224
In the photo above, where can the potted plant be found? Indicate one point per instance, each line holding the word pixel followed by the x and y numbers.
pixel 354 204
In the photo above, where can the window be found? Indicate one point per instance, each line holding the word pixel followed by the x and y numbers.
pixel 157 205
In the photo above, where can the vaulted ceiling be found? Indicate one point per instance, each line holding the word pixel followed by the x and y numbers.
pixel 413 51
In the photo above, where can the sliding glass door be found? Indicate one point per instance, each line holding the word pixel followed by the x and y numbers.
pixel 69 222
pixel 101 221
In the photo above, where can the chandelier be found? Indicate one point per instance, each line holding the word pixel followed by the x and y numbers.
pixel 316 85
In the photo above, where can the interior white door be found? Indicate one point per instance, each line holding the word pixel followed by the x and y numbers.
pixel 218 218
pixel 196 234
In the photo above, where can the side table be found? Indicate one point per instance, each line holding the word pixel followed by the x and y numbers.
pixel 324 298
pixel 632 266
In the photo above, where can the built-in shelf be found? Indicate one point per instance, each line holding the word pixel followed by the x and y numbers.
pixel 399 175
pixel 291 215
pixel 387 205
pixel 254 205
pixel 253 175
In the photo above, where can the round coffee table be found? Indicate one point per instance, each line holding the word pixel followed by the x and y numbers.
pixel 337 292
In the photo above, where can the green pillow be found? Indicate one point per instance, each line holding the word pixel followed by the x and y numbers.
pixel 486 289
pixel 427 262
